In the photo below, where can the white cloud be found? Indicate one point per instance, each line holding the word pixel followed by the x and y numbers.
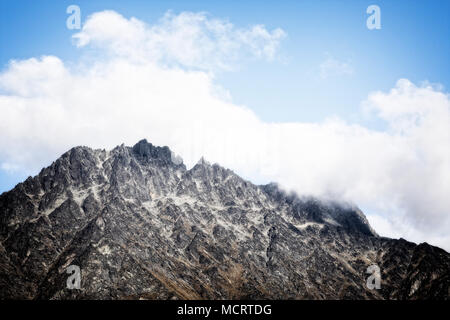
pixel 48 107
pixel 399 227
pixel 189 39
pixel 331 67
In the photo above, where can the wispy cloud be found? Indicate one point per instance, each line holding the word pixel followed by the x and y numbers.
pixel 331 67
pixel 187 39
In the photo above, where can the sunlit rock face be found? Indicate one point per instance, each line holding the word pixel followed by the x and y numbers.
pixel 141 226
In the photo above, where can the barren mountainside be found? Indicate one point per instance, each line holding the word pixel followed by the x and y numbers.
pixel 140 225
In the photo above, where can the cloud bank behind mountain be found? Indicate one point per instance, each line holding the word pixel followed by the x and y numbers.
pixel 158 82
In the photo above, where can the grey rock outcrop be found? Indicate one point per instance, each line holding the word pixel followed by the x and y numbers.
pixel 142 226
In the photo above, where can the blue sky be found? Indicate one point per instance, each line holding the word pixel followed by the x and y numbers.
pixel 412 43
pixel 326 66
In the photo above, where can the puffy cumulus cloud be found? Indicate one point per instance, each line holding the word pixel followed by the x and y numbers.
pixel 189 39
pixel 419 119
pixel 400 175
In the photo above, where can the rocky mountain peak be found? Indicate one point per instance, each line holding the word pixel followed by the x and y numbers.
pixel 145 149
pixel 139 225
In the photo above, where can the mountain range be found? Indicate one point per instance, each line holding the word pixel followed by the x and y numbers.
pixel 140 225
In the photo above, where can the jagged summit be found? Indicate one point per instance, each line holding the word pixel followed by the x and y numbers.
pixel 140 225
pixel 203 162
pixel 146 149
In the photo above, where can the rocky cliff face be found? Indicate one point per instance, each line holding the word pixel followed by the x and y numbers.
pixel 140 225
